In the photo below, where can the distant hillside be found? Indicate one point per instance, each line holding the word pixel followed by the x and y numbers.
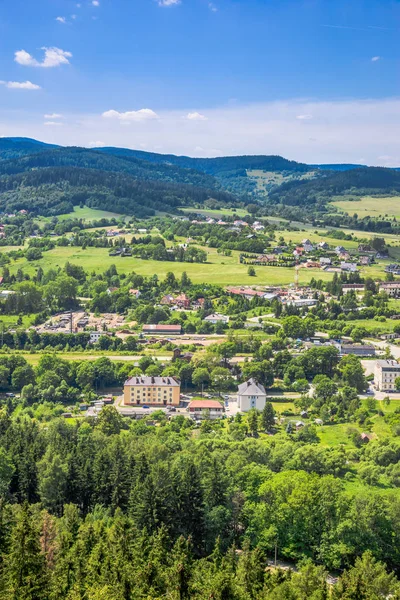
pixel 357 182
pixel 215 166
pixel 51 180
pixel 91 159
pixel 338 167
pixel 17 147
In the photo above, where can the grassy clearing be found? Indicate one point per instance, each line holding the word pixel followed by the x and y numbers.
pixel 88 214
pixel 282 406
pixel 335 435
pixel 368 206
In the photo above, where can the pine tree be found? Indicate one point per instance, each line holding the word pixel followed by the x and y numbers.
pixel 267 417
pixel 25 565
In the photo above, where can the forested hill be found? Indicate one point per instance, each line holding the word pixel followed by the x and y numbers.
pixel 92 159
pixel 361 181
pixel 51 180
pixel 215 166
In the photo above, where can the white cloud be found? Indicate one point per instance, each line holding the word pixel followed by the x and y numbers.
pixel 78 5
pixel 168 2
pixel 340 131
pixel 20 85
pixel 52 123
pixel 95 3
pixel 304 117
pixel 73 17
pixel 53 57
pixel 62 20
pixel 96 144
pixel 195 116
pixel 144 114
pixel 53 116
pixel 212 7
pixel 375 58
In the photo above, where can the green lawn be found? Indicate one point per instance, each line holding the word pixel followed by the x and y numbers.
pixel 334 435
pixel 11 320
pixel 368 206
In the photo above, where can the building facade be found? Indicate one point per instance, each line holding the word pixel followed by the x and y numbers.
pixel 152 391
pixel 201 408
pixel 392 289
pixel 386 373
pixel 251 395
pixel 162 329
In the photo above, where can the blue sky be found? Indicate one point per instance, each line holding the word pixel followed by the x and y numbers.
pixel 315 80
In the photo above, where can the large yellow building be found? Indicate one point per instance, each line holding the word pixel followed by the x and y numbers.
pixel 154 391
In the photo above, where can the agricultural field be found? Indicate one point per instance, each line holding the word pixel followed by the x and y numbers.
pixel 368 206
pixel 86 214
pixel 222 270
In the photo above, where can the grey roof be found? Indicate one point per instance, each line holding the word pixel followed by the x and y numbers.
pixel 388 363
pixel 156 381
pixel 216 317
pixel 251 388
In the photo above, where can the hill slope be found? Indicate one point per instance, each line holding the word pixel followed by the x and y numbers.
pixel 357 182
pixel 50 180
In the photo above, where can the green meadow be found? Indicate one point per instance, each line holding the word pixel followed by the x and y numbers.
pixel 219 269
pixel 368 206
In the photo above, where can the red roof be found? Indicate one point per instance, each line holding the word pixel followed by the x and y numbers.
pixel 206 404
pixel 162 328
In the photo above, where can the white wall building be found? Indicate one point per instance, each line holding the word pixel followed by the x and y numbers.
pixel 386 373
pixel 251 395
pixel 95 336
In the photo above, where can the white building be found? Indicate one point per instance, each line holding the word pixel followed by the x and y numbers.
pixel 392 288
pixel 216 318
pixel 386 373
pixel 251 395
pixel 95 336
pixel 307 245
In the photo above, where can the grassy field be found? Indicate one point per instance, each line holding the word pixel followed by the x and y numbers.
pixel 85 213
pixel 314 236
pixel 33 359
pixel 219 269
pixel 368 206
pixel 88 214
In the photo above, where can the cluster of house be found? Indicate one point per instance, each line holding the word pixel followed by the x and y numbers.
pixel 182 301
pixel 335 259
pixel 287 297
